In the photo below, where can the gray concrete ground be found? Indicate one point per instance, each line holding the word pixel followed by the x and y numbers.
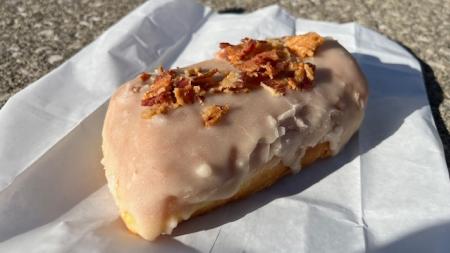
pixel 37 36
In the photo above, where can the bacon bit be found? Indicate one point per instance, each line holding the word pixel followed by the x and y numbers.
pixel 192 71
pixel 199 91
pixel 266 56
pixel 152 111
pixel 244 51
pixel 182 82
pixel 205 79
pixel 164 78
pixel 223 45
pixel 212 114
pixel 144 76
pixel 184 95
pixel 164 97
pixel 270 70
pixel 232 83
pixel 309 69
pixel 299 73
pixel 248 46
pixel 160 91
pixel 263 60
pixel 304 45
pixel 230 53
pixel 162 83
pixel 292 84
pixel 254 47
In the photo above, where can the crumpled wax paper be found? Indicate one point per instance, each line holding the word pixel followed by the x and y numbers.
pixel 387 191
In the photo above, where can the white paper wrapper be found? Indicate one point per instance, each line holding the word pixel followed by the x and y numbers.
pixel 387 191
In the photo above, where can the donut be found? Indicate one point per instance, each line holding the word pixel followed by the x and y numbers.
pixel 180 142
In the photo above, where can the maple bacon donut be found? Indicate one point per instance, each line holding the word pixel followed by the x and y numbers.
pixel 181 142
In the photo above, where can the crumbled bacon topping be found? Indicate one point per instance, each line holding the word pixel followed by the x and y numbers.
pixel 232 83
pixel 276 65
pixel 304 45
pixel 212 114
pixel 275 58
pixel 185 95
pixel 155 110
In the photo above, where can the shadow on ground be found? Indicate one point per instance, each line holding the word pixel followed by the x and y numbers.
pixel 435 97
